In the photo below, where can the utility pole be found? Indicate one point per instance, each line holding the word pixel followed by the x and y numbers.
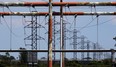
pixel 61 37
pixel 33 37
pixel 50 35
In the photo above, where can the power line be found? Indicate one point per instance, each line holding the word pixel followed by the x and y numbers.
pixel 97 29
pixel 87 24
pixel 11 33
pixel 9 27
pixel 102 22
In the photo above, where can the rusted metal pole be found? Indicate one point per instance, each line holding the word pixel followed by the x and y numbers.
pixel 58 4
pixel 50 35
pixel 61 36
pixel 54 13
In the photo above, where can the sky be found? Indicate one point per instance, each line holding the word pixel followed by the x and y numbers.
pixel 15 40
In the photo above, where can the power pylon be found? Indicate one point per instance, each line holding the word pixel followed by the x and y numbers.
pixel 54 38
pixel 32 56
pixel 75 44
pixel 94 53
pixel 88 47
pixel 74 37
pixel 82 45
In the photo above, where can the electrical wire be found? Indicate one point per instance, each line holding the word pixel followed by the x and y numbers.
pixel 9 9
pixel 25 35
pixel 87 24
pixel 66 16
pixel 72 23
pixel 42 27
pixel 10 32
pixel 23 20
pixel 97 29
pixel 9 27
pixel 102 22
pixel 97 25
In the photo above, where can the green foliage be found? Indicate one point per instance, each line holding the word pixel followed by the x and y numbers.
pixel 107 61
pixel 7 61
pixel 2 65
pixel 72 64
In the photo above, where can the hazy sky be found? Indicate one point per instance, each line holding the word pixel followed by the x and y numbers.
pixel 106 31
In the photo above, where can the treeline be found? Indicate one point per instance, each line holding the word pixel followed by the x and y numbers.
pixel 9 61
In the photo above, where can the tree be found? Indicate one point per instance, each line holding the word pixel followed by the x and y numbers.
pixel 12 58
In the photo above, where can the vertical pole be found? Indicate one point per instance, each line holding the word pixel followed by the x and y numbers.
pixel 112 57
pixel 54 42
pixel 61 37
pixel 50 35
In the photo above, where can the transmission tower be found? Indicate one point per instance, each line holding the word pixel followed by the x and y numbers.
pixel 32 56
pixel 82 45
pixel 94 53
pixel 88 47
pixel 33 37
pixel 54 38
pixel 74 37
pixel 64 37
pixel 75 44
pixel 99 53
pixel 65 30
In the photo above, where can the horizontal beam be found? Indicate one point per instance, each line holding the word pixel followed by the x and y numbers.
pixel 54 13
pixel 58 4
pixel 58 50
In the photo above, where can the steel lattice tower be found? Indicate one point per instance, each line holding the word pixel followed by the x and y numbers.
pixel 64 38
pixel 32 56
pixel 75 39
pixel 82 45
pixel 88 47
pixel 34 33
pixel 94 53
pixel 54 38
pixel 75 43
